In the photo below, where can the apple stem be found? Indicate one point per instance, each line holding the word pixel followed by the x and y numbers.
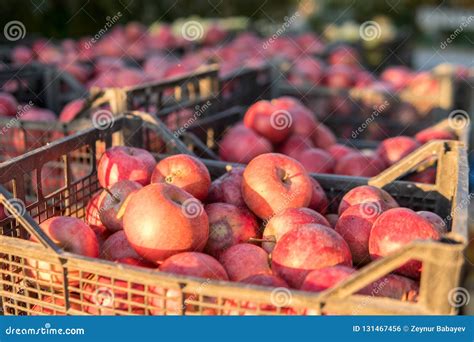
pixel 116 199
pixel 271 240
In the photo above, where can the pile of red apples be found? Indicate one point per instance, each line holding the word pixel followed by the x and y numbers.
pixel 268 223
pixel 284 125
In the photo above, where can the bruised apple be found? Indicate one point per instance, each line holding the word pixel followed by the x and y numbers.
pixel 228 226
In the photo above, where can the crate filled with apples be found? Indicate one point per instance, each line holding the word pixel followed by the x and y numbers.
pixel 159 231
pixel 286 126
pixel 29 120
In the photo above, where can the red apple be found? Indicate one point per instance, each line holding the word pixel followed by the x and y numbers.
pixel 250 145
pixel 340 76
pixel 22 55
pixel 92 218
pixel 269 121
pixel 280 297
pixel 391 150
pixel 429 134
pixel 161 220
pixel 337 151
pixel 228 226
pixel 8 104
pixel 123 162
pixel 273 182
pixel 185 172
pixel 316 160
pixel 398 227
pixel 290 218
pixel 308 247
pixel 319 200
pixel 228 188
pixel 244 260
pixel 397 76
pixel 192 264
pixel 114 201
pixel 345 55
pixel 435 220
pixel 323 137
pixel 324 278
pixel 332 219
pixel 354 225
pixel 428 176
pixel 117 247
pixel 359 164
pixel 391 285
pixel 303 119
pixel 110 296
pixel 70 234
pixel 71 110
pixel 367 193
pixel 136 262
pixel 295 145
